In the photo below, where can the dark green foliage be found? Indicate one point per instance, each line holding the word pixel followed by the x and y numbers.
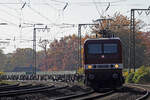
pixel 136 75
pixel 143 78
pixel 129 78
pixel 142 75
pixel 22 57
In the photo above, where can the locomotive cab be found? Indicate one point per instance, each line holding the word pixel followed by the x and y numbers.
pixel 103 62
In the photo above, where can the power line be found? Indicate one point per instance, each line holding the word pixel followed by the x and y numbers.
pixel 91 3
pixel 106 8
pixel 9 13
pixel 16 17
pixel 17 12
pixel 8 22
pixel 58 1
pixel 51 6
pixel 97 8
pixel 40 14
pixel 11 8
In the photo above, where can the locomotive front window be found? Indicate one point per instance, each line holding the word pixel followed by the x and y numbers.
pixel 110 48
pixel 94 49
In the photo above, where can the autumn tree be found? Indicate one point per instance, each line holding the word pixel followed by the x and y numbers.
pixel 119 26
pixel 2 60
pixel 22 57
pixel 146 37
pixel 43 44
pixel 63 53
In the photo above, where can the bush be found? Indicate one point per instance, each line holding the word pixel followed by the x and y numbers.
pixel 142 75
pixel 129 78
pixel 143 78
pixel 136 75
pixel 139 74
pixel 142 70
pixel 125 74
pixel 80 70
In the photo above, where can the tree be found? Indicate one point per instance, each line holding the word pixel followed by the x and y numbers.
pixel 120 27
pixel 2 60
pixel 22 57
pixel 145 36
pixel 63 53
pixel 43 44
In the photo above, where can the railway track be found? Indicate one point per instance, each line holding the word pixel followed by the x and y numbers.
pixel 74 96
pixel 140 86
pixel 16 90
pixel 17 87
pixel 109 95
pixel 85 96
pixel 3 87
pixel 21 91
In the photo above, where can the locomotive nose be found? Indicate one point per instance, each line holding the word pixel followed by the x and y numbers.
pixel 91 76
pixel 115 76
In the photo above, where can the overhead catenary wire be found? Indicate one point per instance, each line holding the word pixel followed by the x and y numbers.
pixel 40 14
pixel 117 1
pixel 11 8
pixel 106 9
pixel 10 14
pixel 15 15
pixel 58 1
pixel 9 22
pixel 97 8
pixel 52 6
pixel 62 2
pixel 72 3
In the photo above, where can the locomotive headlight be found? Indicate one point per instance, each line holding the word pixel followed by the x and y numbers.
pixel 116 66
pixel 89 66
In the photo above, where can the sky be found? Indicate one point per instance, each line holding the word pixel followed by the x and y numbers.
pixel 21 16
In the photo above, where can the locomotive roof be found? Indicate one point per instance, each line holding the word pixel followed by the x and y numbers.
pixel 113 38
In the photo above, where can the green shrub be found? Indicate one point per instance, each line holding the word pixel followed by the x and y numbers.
pixel 136 75
pixel 142 75
pixel 143 78
pixel 129 78
pixel 139 73
pixel 142 70
pixel 125 74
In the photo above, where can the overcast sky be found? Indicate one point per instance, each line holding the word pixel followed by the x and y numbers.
pixel 51 12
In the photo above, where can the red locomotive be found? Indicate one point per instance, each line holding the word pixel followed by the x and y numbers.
pixel 103 63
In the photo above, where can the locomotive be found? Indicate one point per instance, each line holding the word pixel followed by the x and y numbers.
pixel 103 62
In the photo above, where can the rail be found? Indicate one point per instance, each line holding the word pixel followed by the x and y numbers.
pixel 24 91
pixel 85 96
pixel 140 86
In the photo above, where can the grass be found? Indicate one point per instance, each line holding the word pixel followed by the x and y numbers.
pixel 7 82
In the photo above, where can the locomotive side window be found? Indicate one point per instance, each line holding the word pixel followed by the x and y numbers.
pixel 94 48
pixel 110 48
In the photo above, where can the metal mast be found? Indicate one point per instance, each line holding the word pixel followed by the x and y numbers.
pixel 34 46
pixel 132 48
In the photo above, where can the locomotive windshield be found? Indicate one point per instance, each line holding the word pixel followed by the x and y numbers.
pixel 94 48
pixel 110 48
pixel 106 48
